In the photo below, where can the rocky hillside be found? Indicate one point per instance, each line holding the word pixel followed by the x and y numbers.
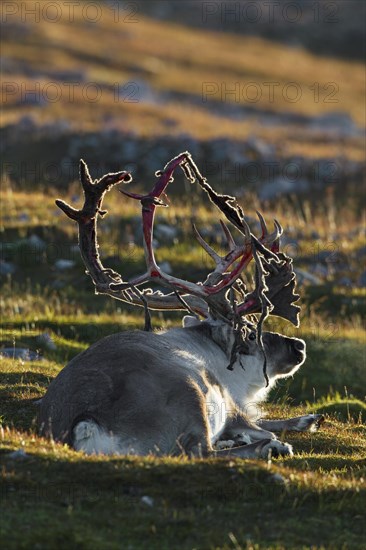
pixel 124 89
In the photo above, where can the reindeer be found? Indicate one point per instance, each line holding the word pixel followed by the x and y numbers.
pixel 183 390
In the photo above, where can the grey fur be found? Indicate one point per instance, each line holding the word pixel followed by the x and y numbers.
pixel 152 393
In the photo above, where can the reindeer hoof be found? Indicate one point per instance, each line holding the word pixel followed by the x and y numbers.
pixel 276 449
pixel 224 444
pixel 309 423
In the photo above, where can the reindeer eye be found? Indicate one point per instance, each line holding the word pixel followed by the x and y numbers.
pixel 252 336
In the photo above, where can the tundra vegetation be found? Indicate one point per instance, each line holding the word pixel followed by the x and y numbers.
pixel 52 496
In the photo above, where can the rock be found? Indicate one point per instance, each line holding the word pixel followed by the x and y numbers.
pixel 20 454
pixel 220 149
pixel 58 284
pixel 64 265
pixel 33 99
pixel 46 341
pixel 148 501
pixel 330 256
pixel 362 280
pixel 20 353
pixel 166 234
pixel 7 268
pixel 261 148
pixel 280 186
pixel 36 242
pixel 338 121
pixel 170 122
pixel 304 276
pixel 360 252
pixel 138 91
pixel 130 150
pixel 277 478
pixel 69 75
pixel 319 270
pixel 166 267
pixel 346 281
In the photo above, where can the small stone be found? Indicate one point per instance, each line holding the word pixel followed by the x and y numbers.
pixel 166 233
pixel 304 276
pixel 361 252
pixel 346 281
pixel 148 501
pixel 20 353
pixel 277 478
pixel 362 280
pixel 64 265
pixel 46 341
pixel 166 267
pixel 36 242
pixel 20 454
pixel 7 268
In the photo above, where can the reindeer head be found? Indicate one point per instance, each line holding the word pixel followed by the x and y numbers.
pixel 223 296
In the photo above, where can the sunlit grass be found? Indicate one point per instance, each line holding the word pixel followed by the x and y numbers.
pixel 51 486
pixel 163 57
pixel 55 497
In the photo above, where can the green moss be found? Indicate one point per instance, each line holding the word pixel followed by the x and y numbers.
pixel 343 409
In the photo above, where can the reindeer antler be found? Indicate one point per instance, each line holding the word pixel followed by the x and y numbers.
pixel 275 283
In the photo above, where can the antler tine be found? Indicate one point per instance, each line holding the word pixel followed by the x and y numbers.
pixel 275 236
pixel 229 238
pixel 276 242
pixel 262 223
pixel 246 229
pixel 86 218
pixel 67 209
pixel 278 226
pixel 85 177
pixel 210 251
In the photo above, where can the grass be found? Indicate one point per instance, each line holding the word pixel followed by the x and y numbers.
pixel 53 497
pixel 190 504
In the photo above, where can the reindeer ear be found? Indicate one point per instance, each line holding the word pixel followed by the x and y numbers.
pixel 190 321
pixel 223 335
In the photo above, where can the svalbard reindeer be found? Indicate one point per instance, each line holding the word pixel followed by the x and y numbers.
pixel 184 390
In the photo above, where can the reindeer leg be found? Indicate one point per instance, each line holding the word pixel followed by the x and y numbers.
pixel 241 433
pixel 263 448
pixel 306 423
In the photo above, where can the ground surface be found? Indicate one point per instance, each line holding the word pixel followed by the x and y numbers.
pixel 52 497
